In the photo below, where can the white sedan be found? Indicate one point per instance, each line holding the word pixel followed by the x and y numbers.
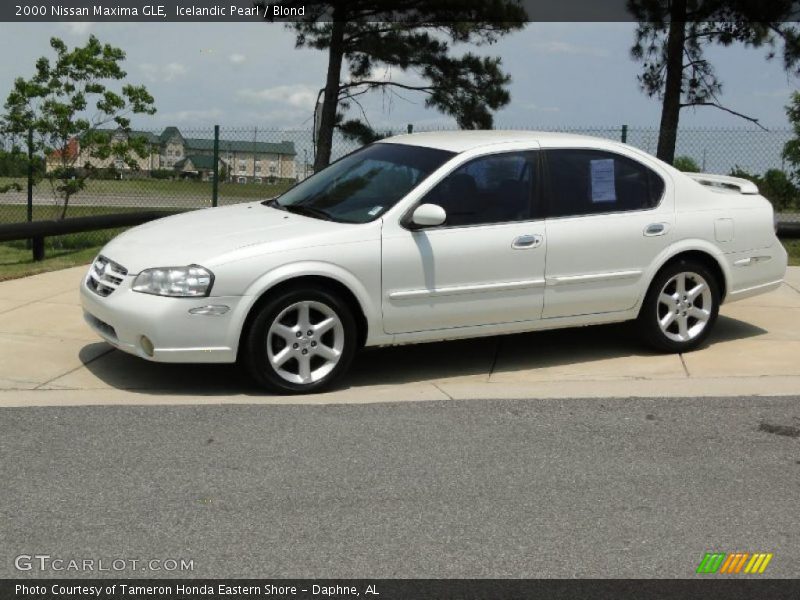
pixel 437 236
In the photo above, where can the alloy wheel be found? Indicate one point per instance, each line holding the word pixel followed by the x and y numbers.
pixel 684 307
pixel 305 342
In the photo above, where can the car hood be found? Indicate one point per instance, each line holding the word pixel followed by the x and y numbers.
pixel 213 236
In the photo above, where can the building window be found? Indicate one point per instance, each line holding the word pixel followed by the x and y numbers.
pixel 242 167
pixel 257 179
pixel 241 180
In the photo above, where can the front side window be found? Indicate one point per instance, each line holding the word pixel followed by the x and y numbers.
pixel 490 189
pixel 365 184
pixel 585 182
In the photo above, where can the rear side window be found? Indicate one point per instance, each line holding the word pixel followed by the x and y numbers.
pixel 586 182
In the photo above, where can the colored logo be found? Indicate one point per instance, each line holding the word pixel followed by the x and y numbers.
pixel 737 562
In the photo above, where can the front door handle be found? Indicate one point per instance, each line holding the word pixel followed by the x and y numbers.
pixel 527 241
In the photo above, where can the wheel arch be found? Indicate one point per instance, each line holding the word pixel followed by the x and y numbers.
pixel 346 286
pixel 702 252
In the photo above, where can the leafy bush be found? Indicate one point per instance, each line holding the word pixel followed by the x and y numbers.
pixel 775 186
pixel 686 164
pixel 106 174
pixel 162 174
pixel 15 164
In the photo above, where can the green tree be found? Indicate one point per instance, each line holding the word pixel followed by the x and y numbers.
pixel 671 40
pixel 67 103
pixel 412 36
pixel 791 150
pixel 686 164
pixel 14 164
pixel 774 185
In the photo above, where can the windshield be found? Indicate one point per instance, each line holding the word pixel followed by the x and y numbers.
pixel 363 185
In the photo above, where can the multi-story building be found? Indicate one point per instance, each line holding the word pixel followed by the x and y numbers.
pixel 242 161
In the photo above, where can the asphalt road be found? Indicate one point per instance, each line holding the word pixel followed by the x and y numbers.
pixel 586 488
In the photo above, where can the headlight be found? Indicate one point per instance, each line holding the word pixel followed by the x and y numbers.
pixel 188 281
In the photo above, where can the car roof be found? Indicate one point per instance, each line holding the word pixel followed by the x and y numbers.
pixel 461 141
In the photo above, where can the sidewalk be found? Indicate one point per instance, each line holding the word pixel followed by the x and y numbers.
pixel 48 356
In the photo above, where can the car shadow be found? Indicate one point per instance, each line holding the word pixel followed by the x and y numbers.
pixel 471 359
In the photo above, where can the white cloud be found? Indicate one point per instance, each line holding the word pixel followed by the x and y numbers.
pixel 165 73
pixel 556 47
pixel 78 28
pixel 297 95
pixel 237 58
pixel 183 116
pixel 781 93
pixel 537 108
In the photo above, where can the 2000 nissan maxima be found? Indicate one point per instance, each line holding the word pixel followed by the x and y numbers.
pixel 431 237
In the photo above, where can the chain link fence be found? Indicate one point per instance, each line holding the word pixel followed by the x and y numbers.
pixel 257 163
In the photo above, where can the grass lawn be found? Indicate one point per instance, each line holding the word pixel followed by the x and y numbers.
pixel 17 261
pixel 793 248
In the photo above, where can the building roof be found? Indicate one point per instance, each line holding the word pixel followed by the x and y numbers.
pixel 207 145
pixel 168 133
pixel 71 151
pixel 148 135
pixel 203 162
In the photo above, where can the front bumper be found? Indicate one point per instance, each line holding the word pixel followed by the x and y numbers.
pixel 177 336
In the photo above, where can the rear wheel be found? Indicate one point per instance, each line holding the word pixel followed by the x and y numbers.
pixel 681 307
pixel 301 341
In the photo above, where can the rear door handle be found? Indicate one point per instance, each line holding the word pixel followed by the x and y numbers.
pixel 655 229
pixel 527 241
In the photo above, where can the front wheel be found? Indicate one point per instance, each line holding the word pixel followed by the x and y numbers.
pixel 680 308
pixel 301 341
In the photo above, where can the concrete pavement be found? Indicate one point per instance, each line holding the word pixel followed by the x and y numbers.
pixel 48 356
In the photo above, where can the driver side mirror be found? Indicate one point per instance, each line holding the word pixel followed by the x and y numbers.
pixel 428 215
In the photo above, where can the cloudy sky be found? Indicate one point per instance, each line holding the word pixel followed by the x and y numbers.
pixel 249 74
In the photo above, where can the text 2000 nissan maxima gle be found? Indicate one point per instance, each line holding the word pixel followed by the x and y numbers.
pixel 437 236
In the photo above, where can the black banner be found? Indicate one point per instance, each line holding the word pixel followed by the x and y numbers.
pixel 248 10
pixel 391 589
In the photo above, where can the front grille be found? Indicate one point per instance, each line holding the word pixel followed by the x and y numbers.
pixel 105 276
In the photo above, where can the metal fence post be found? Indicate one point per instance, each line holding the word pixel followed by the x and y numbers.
pixel 624 134
pixel 215 184
pixel 30 243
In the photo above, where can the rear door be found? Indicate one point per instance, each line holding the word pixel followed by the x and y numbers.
pixel 608 217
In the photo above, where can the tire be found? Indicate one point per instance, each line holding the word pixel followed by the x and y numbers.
pixel 670 321
pixel 284 362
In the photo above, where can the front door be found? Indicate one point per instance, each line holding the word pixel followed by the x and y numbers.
pixel 484 265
